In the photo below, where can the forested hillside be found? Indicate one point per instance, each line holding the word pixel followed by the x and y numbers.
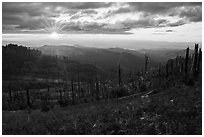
pixel 22 62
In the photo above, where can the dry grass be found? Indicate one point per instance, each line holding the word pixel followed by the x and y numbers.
pixel 171 111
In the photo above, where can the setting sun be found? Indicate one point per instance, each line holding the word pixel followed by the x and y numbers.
pixel 54 35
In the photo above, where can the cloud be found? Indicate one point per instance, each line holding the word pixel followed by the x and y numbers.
pixel 193 14
pixel 98 17
pixel 121 10
pixel 89 12
pixel 159 7
pixel 191 11
pixel 118 27
pixel 94 27
pixel 29 15
pixel 169 30
pixel 144 23
pixel 79 5
pixel 177 23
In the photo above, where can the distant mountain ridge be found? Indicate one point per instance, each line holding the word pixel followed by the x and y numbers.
pixel 162 55
pixel 104 58
pixel 130 60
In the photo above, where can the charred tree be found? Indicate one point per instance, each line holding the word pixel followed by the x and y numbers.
pixel 167 70
pixel 146 63
pixel 195 60
pixel 60 91
pixel 72 91
pixel 186 60
pixel 97 89
pixel 172 66
pixel 177 64
pixel 10 94
pixel 199 62
pixel 159 69
pixel 182 67
pixel 28 97
pixel 119 75
pixel 78 85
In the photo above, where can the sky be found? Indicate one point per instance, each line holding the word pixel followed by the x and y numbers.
pixel 102 24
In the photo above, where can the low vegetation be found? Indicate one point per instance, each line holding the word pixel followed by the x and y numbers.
pixel 177 110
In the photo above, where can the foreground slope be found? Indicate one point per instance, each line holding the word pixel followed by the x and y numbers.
pixel 177 110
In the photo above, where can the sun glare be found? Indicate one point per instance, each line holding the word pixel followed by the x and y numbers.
pixel 54 35
pixel 53 27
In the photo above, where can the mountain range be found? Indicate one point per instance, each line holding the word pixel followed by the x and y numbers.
pixel 109 58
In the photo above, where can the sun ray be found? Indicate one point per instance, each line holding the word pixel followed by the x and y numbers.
pixel 53 27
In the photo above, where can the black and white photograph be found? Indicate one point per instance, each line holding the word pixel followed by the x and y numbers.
pixel 101 68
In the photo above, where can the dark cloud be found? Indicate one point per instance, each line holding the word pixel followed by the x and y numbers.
pixel 160 7
pixel 11 19
pixel 193 14
pixel 144 23
pixel 192 11
pixel 169 30
pixel 31 25
pixel 26 15
pixel 32 9
pixel 23 15
pixel 79 5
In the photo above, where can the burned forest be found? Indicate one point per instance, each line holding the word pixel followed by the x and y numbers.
pixel 33 81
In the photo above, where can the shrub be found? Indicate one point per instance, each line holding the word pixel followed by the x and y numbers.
pixel 63 103
pixel 119 92
pixel 44 106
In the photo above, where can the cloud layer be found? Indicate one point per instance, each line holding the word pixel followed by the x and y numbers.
pixel 96 17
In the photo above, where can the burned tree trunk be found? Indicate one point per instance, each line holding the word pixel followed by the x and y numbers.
pixel 142 72
pixel 159 69
pixel 119 75
pixel 186 60
pixel 172 66
pixel 177 64
pixel 60 91
pixel 182 67
pixel 28 98
pixel 199 61
pixel 146 63
pixel 97 89
pixel 72 90
pixel 167 70
pixel 10 94
pixel 79 88
pixel 195 60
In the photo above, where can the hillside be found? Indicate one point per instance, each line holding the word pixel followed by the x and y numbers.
pixel 156 55
pixel 105 58
pixel 177 110
pixel 130 60
pixel 162 55
pixel 164 100
pixel 21 62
